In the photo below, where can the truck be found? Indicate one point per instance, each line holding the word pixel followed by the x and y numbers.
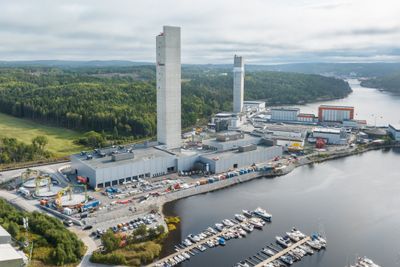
pixel 91 205
pixel 81 179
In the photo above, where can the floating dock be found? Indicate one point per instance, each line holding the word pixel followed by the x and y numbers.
pixel 282 252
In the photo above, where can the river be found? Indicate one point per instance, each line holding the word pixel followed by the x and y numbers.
pixel 354 200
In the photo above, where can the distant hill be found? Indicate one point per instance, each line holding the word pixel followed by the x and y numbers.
pixel 326 69
pixel 123 99
pixel 388 83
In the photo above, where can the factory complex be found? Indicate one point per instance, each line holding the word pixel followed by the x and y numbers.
pixel 229 149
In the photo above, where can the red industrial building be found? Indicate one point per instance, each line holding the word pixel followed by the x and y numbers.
pixel 327 113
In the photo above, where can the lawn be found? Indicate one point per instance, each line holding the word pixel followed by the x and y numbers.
pixel 60 139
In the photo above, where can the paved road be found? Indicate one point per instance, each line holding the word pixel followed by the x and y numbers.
pixel 19 201
pixel 51 169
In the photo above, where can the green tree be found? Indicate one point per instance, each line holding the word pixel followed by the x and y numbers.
pixel 40 141
pixel 110 241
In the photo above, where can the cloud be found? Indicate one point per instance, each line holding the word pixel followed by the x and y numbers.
pixel 264 31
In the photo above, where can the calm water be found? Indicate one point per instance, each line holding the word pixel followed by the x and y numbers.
pixel 370 104
pixel 354 200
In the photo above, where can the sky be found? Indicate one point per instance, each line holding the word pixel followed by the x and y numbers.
pixel 263 31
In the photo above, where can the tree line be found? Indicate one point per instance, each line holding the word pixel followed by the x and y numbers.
pixel 123 100
pixel 11 150
pixel 53 243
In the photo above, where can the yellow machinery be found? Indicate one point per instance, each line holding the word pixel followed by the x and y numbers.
pixel 38 181
pixel 69 189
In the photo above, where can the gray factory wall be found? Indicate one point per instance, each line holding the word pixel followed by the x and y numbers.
pixel 186 163
pixel 149 166
pixel 242 159
pixel 84 170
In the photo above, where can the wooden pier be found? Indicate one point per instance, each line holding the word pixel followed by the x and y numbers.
pixel 283 252
pixel 195 245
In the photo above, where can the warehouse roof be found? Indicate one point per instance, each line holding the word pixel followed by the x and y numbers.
pixel 287 109
pixel 333 106
pixel 141 154
pixel 395 126
pixel 8 253
pixel 3 232
pixel 227 154
pixel 327 130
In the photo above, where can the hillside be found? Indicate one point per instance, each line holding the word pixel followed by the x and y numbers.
pixel 122 100
pixel 388 83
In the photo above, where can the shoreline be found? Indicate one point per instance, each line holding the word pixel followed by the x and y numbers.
pixel 257 175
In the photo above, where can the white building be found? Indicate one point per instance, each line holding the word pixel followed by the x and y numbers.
pixel 5 237
pixel 285 114
pixel 332 136
pixel 253 106
pixel 168 56
pixel 394 131
pixel 238 84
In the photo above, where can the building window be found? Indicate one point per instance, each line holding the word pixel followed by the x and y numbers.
pixel 235 165
pixel 107 184
pixel 129 179
pixel 121 181
pixel 115 182
pixel 100 185
pixel 147 174
pixel 141 176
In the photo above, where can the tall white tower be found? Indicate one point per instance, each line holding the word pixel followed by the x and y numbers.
pixel 238 84
pixel 169 87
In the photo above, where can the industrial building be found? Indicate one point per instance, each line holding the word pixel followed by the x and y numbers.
pixel 230 160
pixel 9 256
pixel 394 131
pixel 238 84
pixel 5 237
pixel 284 114
pixel 225 121
pixel 327 113
pixel 306 118
pixel 253 106
pixel 333 136
pixel 230 149
pixel 168 56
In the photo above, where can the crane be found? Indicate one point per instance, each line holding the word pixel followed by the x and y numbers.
pixel 38 181
pixel 69 189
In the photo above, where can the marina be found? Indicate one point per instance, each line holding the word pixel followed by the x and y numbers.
pixel 213 237
pixel 273 256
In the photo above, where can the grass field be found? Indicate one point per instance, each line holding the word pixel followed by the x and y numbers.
pixel 60 139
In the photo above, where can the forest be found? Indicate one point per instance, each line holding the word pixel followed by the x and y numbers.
pixel 122 100
pixel 53 243
pixel 389 83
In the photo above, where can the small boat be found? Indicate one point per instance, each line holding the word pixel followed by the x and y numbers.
pixel 211 230
pixel 287 259
pixel 307 249
pixel 240 217
pixel 242 232
pixel 194 238
pixel 283 241
pixel 201 248
pixel 268 251
pixel 221 241
pixel 186 255
pixel 227 222
pixel 219 227
pixel 256 223
pixel 314 244
pixel 210 244
pixel 187 242
pixel 259 212
pixel 248 227
pixel 247 213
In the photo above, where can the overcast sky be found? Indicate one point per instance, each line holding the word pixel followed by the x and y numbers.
pixel 263 31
